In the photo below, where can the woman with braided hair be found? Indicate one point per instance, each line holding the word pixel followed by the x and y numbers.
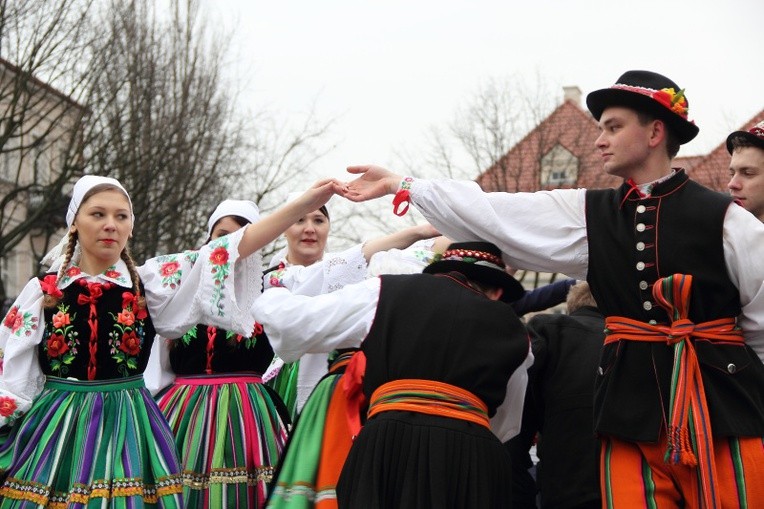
pixel 78 426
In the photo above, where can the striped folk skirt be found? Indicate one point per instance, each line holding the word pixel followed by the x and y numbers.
pixel 285 385
pixel 230 430
pixel 91 444
pixel 316 451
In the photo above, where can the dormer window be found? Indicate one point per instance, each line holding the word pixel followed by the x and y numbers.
pixel 559 167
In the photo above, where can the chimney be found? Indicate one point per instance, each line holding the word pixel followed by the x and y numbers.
pixel 572 94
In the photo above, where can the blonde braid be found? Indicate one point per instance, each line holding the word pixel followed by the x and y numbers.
pixel 139 299
pixel 50 301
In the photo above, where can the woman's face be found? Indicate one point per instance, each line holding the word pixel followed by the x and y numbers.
pixel 306 239
pixel 224 226
pixel 103 224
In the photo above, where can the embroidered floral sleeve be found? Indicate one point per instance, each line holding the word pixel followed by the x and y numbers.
pixel 21 330
pixel 211 286
pixel 170 270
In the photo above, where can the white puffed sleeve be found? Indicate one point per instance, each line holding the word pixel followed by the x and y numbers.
pixel 299 325
pixel 159 373
pixel 20 333
pixel 509 415
pixel 543 231
pixel 411 260
pixel 212 286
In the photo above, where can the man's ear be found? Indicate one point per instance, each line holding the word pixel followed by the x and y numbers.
pixel 657 132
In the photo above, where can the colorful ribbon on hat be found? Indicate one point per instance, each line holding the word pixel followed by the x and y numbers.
pixel 689 436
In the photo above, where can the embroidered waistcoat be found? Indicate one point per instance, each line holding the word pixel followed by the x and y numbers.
pixel 95 333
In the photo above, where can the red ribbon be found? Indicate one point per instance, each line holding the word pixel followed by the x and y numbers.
pixel 352 384
pixel 402 197
pixel 96 291
pixel 50 287
pixel 211 333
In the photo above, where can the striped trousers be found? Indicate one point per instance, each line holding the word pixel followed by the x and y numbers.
pixel 634 475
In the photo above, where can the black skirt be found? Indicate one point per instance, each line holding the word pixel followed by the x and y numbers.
pixel 412 460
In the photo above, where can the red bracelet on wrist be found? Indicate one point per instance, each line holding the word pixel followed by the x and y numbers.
pixel 402 197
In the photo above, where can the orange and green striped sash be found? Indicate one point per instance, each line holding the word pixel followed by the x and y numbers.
pixel 690 441
pixel 341 361
pixel 429 397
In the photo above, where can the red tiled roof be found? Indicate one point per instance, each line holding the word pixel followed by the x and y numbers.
pixel 569 126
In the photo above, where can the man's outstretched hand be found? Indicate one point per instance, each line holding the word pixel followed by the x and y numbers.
pixel 373 182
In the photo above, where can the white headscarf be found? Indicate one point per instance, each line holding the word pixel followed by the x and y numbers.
pixel 55 256
pixel 242 208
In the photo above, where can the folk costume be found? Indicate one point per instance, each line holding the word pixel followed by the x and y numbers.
pixel 473 375
pixel 321 438
pixel 230 428
pixel 636 245
pixel 81 428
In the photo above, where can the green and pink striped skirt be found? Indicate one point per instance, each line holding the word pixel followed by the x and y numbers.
pixel 91 444
pixel 230 430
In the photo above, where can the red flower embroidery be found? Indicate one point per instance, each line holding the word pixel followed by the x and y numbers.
pixel 126 318
pixel 129 301
pixel 130 343
pixel 17 322
pixel 7 406
pixel 57 345
pixel 10 318
pixel 114 274
pixel 169 268
pixel 219 256
pixel 258 329
pixel 73 271
pixel 61 320
pixel 48 285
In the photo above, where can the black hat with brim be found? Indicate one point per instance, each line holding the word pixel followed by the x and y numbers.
pixel 753 137
pixel 480 262
pixel 647 92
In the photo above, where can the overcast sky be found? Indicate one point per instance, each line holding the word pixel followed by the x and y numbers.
pixel 391 69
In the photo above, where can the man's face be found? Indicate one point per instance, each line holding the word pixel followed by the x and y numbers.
pixel 746 183
pixel 623 142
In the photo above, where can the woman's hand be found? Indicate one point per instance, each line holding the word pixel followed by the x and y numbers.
pixel 318 194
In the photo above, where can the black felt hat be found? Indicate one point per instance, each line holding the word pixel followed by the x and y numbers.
pixel 649 92
pixel 753 136
pixel 480 262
